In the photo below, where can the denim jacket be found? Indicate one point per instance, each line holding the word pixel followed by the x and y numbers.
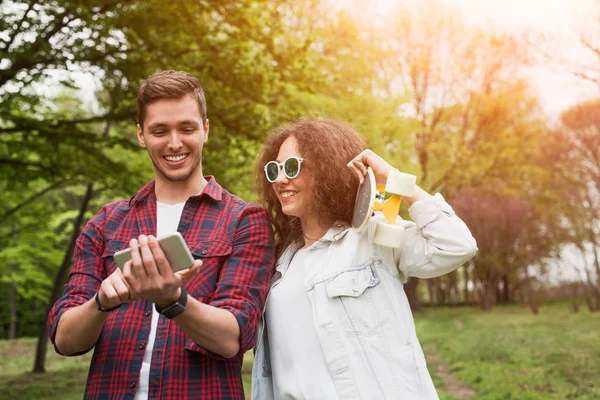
pixel 361 313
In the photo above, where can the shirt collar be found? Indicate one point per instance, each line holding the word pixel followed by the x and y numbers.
pixel 335 233
pixel 212 190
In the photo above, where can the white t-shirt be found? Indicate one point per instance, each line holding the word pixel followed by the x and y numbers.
pixel 298 364
pixel 167 221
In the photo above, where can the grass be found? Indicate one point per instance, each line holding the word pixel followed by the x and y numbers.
pixel 65 377
pixel 508 353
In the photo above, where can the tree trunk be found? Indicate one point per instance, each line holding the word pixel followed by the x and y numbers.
pixel 533 298
pixel 453 292
pixel 466 279
pixel 488 298
pixel 575 296
pixel 597 265
pixel 441 291
pixel 42 344
pixel 12 305
pixel 499 292
pixel 431 291
pixel 410 288
pixel 589 301
pixel 506 288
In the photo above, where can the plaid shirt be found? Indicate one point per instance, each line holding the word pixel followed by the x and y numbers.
pixel 235 243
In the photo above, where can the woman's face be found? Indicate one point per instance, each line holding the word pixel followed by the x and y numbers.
pixel 293 194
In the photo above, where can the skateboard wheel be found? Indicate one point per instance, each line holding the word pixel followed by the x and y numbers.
pixel 400 183
pixel 388 235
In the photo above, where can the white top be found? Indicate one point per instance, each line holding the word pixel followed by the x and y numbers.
pixel 167 221
pixel 300 370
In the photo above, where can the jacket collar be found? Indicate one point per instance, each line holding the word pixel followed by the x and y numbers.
pixel 334 234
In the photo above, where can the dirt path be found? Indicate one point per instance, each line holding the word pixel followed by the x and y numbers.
pixel 452 385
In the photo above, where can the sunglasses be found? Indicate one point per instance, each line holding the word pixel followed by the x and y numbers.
pixel 290 167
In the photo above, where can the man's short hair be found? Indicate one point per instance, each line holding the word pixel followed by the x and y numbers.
pixel 169 85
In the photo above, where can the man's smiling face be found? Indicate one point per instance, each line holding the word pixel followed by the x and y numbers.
pixel 174 135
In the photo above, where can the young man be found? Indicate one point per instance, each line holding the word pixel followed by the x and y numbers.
pixel 159 334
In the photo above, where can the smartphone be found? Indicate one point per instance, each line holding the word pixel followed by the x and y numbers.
pixel 174 247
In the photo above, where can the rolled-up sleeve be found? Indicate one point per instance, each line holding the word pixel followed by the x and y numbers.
pixel 245 276
pixel 86 274
pixel 436 243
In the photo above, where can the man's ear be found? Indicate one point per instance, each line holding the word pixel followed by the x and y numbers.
pixel 206 129
pixel 140 136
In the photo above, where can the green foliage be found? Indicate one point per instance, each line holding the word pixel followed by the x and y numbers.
pixel 248 55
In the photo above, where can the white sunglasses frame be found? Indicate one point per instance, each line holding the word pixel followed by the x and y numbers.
pixel 281 167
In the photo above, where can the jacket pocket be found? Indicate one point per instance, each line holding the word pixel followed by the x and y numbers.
pixel 359 300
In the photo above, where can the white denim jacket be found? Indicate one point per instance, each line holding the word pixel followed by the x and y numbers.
pixel 361 313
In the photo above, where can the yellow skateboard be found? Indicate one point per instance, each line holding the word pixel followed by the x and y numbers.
pixel 370 198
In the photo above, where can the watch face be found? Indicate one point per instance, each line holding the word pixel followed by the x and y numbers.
pixel 176 308
pixel 173 311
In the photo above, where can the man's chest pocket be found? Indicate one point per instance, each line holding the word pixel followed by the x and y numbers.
pixel 108 256
pixel 213 254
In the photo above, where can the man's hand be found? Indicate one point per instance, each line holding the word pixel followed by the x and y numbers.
pixel 149 275
pixel 114 291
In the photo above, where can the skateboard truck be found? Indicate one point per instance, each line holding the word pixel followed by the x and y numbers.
pixel 370 198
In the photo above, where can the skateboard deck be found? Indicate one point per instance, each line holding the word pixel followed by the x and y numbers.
pixel 365 201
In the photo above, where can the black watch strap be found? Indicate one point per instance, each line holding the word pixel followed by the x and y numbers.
pixel 173 310
pixel 100 308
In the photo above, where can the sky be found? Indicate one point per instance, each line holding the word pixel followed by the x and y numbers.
pixel 562 20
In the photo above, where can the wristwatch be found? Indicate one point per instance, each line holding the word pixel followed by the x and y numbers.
pixel 173 310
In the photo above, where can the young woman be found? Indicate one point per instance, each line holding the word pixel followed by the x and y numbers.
pixel 337 323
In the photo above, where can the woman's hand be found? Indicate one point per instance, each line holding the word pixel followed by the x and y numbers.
pixel 381 169
pixel 368 158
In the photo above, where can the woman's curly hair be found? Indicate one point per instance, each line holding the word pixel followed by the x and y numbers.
pixel 326 146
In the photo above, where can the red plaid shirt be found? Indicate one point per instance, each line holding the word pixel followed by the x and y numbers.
pixel 234 241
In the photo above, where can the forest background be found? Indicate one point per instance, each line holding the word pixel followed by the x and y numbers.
pixel 456 103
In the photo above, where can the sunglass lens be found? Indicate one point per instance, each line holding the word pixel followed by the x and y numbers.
pixel 292 165
pixel 272 171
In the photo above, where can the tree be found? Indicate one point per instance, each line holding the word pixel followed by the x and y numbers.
pixel 579 165
pixel 472 114
pixel 248 56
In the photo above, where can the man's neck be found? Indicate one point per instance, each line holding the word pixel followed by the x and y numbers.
pixel 173 192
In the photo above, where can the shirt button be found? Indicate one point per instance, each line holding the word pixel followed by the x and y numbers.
pixel 204 252
pixel 148 313
pixel 132 385
pixel 141 346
